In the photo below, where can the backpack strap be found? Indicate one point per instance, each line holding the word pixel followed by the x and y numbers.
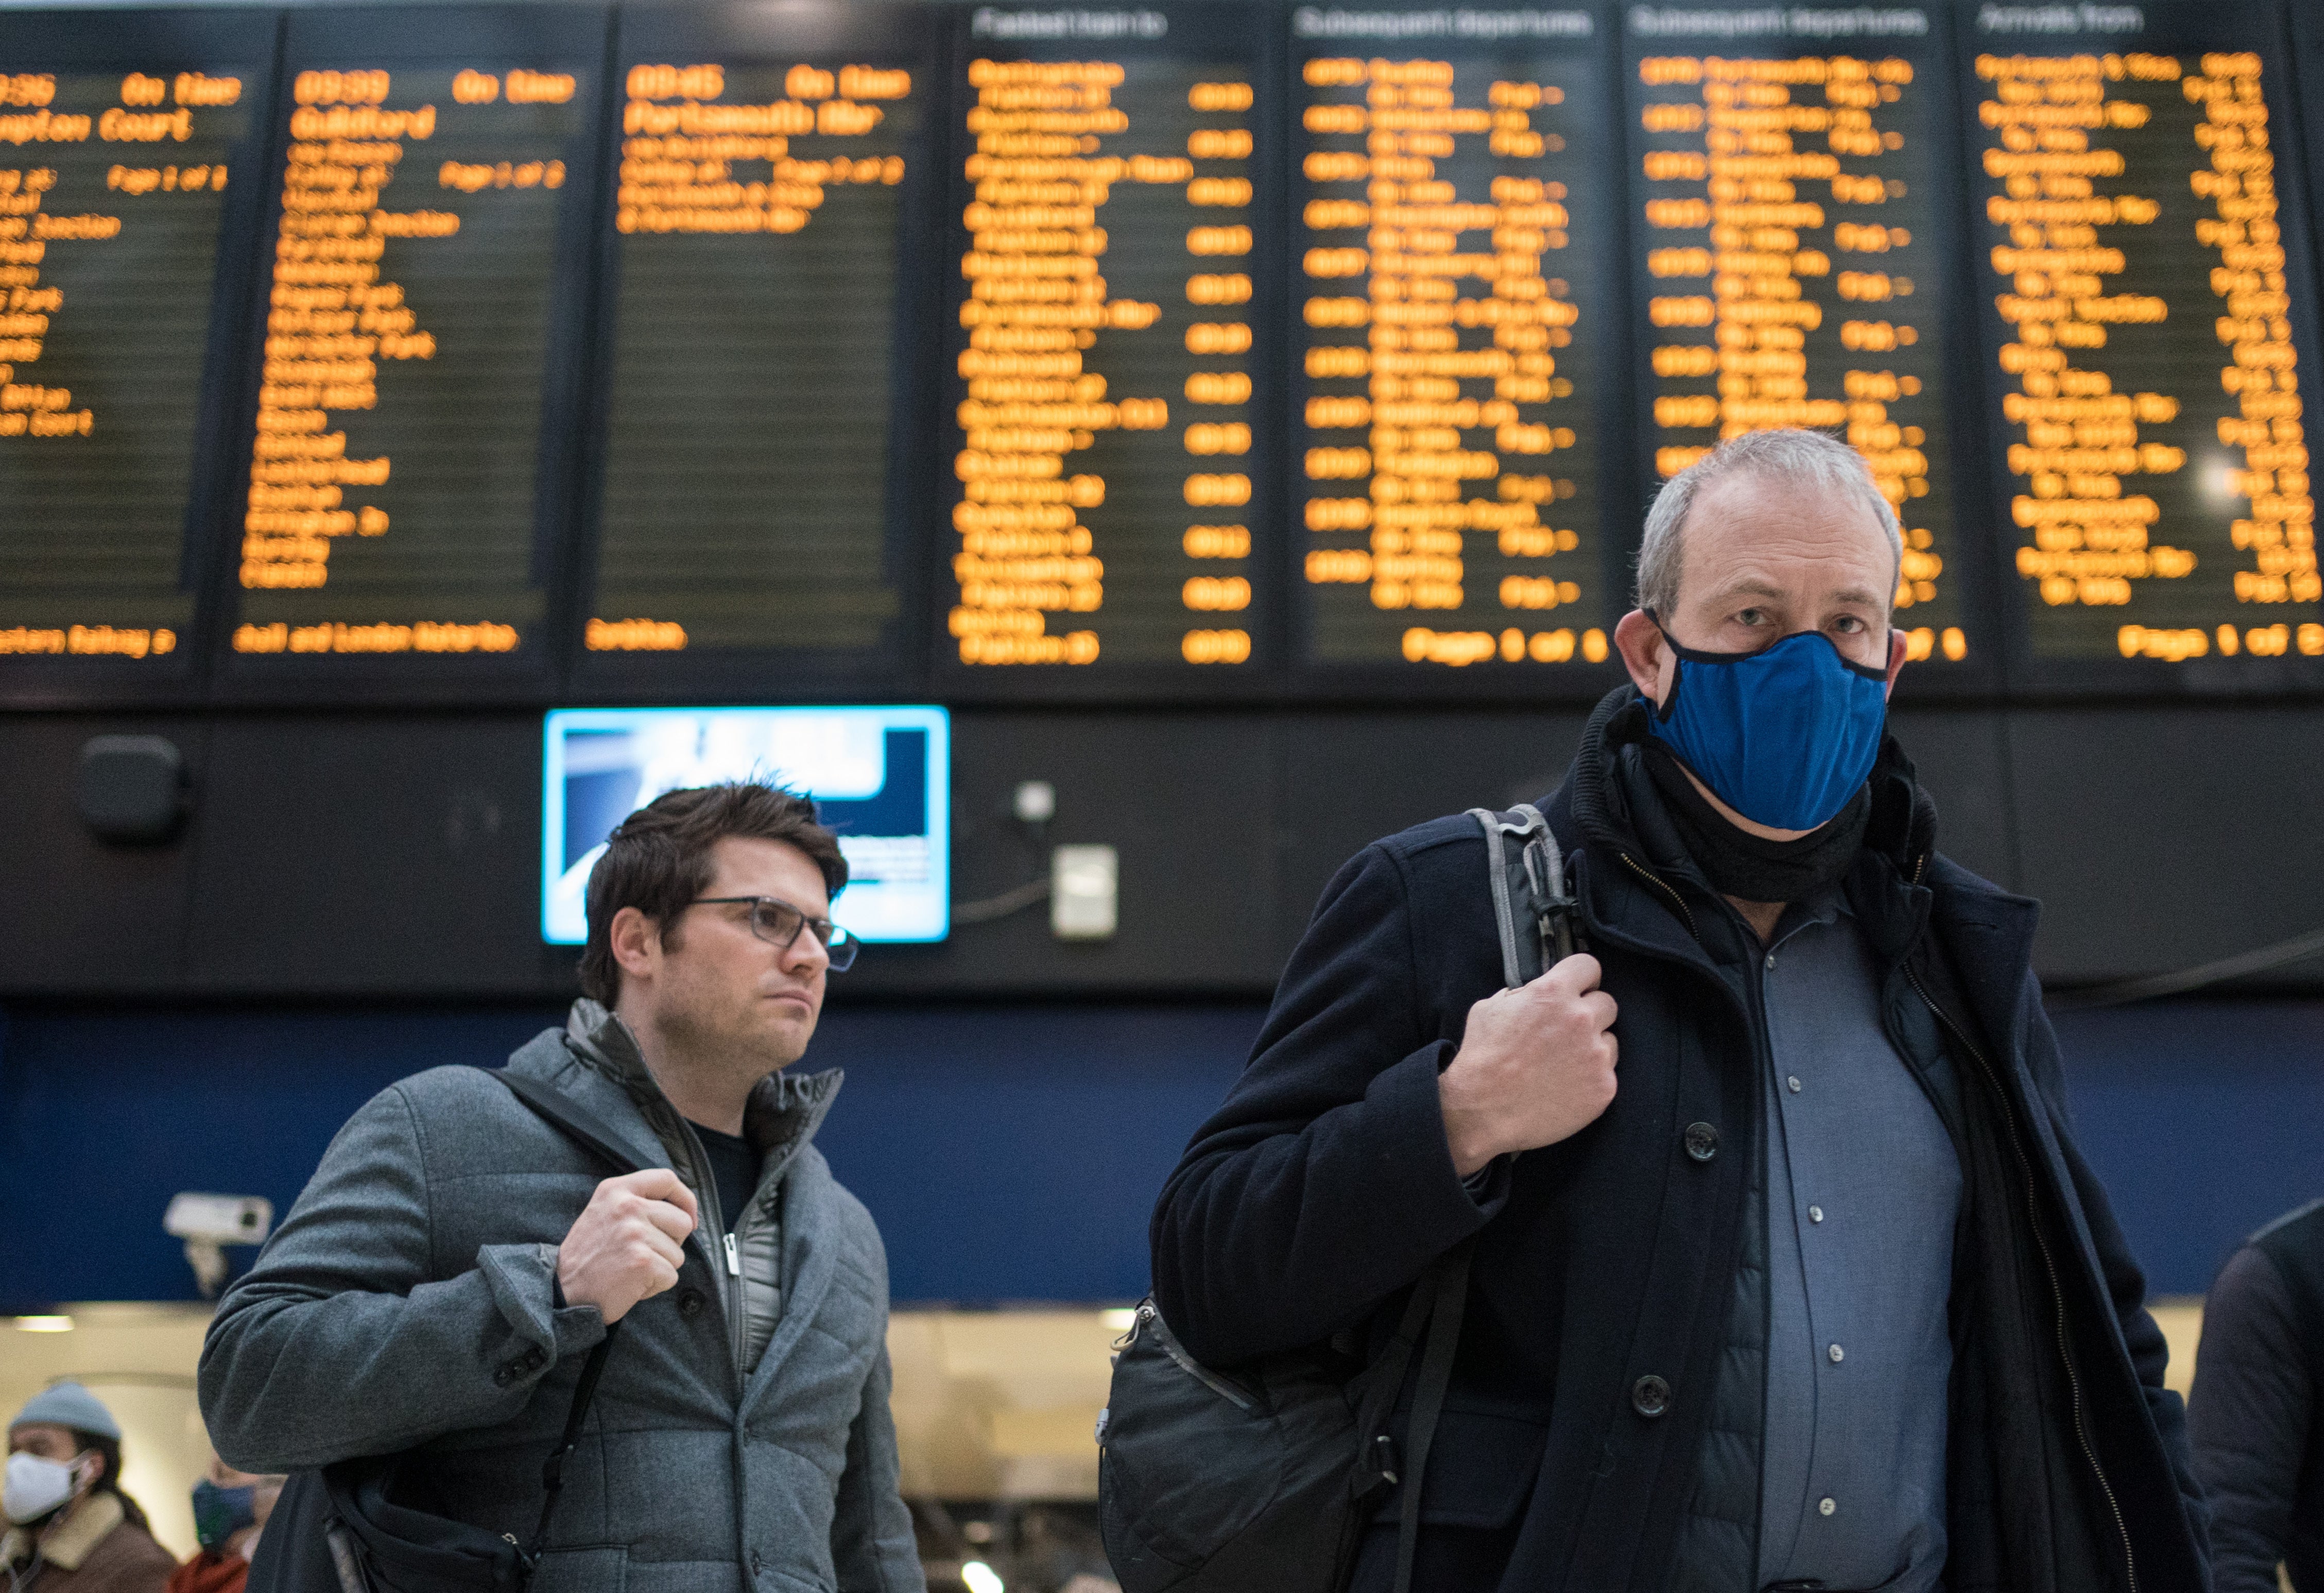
pixel 591 1132
pixel 1530 945
pixel 552 1470
pixel 1451 1299
pixel 1544 932
pixel 570 1117
pixel 1378 1464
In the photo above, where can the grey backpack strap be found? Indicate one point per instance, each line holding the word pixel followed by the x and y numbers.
pixel 1542 933
pixel 1554 905
pixel 1497 874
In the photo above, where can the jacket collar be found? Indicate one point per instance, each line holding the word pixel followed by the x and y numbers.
pixel 72 1540
pixel 780 1116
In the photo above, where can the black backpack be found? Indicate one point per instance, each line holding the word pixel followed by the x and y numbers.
pixel 1262 1479
pixel 341 1529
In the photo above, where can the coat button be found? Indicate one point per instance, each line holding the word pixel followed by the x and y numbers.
pixel 1650 1395
pixel 502 1376
pixel 1701 1141
pixel 690 1304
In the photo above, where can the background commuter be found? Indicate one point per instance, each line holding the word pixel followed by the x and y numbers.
pixel 70 1528
pixel 454 1257
pixel 1817 1292
pixel 230 1512
pixel 2258 1414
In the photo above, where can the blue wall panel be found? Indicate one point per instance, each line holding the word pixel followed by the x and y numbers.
pixel 1015 1154
pixel 2203 1117
pixel 104 1118
pixel 1009 1154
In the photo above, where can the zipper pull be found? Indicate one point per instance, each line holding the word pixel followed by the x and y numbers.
pixel 733 1258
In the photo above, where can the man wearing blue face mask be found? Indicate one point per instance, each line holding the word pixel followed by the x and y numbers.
pixel 1818 1293
pixel 231 1509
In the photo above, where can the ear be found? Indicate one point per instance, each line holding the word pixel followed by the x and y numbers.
pixel 92 1470
pixel 1895 658
pixel 1645 653
pixel 635 941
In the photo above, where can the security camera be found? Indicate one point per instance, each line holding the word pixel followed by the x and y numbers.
pixel 209 1224
pixel 220 1219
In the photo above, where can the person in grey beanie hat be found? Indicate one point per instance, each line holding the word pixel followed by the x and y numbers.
pixel 70 1528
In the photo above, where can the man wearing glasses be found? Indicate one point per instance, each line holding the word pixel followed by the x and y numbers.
pixel 443 1276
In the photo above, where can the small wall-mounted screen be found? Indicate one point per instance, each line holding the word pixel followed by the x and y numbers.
pixel 881 778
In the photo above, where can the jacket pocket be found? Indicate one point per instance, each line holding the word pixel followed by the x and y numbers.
pixel 602 1569
pixel 1481 1470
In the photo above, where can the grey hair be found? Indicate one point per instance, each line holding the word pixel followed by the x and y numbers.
pixel 1797 458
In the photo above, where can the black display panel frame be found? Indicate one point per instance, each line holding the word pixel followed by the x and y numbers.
pixel 752 35
pixel 1967 561
pixel 1254 41
pixel 2171 27
pixel 172 40
pixel 502 37
pixel 922 440
pixel 1620 506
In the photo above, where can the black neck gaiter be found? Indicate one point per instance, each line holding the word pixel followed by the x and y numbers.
pixel 1752 867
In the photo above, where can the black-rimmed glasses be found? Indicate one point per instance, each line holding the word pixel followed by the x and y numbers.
pixel 777 922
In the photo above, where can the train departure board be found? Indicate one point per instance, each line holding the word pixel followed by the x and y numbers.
pixel 401 507
pixel 758 493
pixel 1457 188
pixel 124 145
pixel 1108 460
pixel 2149 311
pixel 1792 238
pixel 819 351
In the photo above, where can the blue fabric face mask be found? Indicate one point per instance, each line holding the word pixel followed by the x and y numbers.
pixel 1784 736
pixel 219 1513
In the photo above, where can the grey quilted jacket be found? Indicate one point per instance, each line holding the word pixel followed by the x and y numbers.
pixel 741 1437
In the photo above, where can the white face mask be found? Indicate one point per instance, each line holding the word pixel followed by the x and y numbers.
pixel 34 1486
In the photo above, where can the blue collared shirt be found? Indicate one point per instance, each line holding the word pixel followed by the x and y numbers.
pixel 1863 1187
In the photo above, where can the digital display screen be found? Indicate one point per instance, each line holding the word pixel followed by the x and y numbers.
pixel 755 502
pixel 1456 181
pixel 1794 251
pixel 427 167
pixel 2149 332
pixel 882 780
pixel 119 147
pixel 1186 352
pixel 1108 460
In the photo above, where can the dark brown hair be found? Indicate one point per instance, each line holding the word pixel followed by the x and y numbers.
pixel 658 859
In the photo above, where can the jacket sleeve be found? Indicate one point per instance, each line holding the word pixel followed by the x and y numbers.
pixel 2249 1419
pixel 342 1341
pixel 872 1546
pixel 1324 1182
pixel 2125 1281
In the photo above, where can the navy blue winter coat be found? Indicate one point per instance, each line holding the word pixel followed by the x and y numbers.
pixel 1323 1187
